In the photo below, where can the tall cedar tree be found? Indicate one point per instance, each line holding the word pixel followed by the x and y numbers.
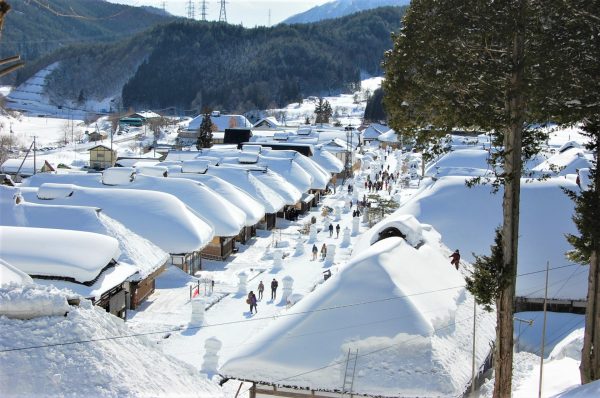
pixel 323 111
pixel 205 132
pixel 472 64
pixel 574 73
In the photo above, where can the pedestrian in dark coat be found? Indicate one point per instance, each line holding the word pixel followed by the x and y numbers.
pixel 252 301
pixel 330 230
pixel 274 285
pixel 455 258
pixel 323 251
pixel 315 250
pixel 337 231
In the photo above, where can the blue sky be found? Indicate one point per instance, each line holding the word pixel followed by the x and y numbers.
pixel 247 12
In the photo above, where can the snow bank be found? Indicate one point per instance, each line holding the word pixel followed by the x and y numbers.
pixel 31 301
pixel 410 329
pixel 585 391
pixel 467 217
pixel 105 366
pixel 57 253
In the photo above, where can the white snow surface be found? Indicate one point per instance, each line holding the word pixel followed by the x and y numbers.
pixel 135 250
pixel 585 391
pixel 566 162
pixel 161 218
pixel 254 210
pixel 410 330
pixel 464 162
pixel 466 218
pixel 57 253
pixel 11 275
pixel 106 367
pixel 248 183
pixel 327 160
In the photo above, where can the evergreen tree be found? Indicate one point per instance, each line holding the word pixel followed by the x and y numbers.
pixel 374 111
pixel 459 63
pixel 205 130
pixel 573 74
pixel 323 111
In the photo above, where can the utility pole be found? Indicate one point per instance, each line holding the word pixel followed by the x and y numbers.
pixel 164 6
pixel 223 12
pixel 474 346
pixel 34 158
pixel 544 332
pixel 203 10
pixel 269 23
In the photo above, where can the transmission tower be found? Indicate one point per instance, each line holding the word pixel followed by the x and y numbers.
pixel 223 12
pixel 190 10
pixel 203 10
pixel 164 6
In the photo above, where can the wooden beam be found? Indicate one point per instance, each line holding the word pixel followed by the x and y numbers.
pixel 11 68
pixel 289 394
pixel 10 59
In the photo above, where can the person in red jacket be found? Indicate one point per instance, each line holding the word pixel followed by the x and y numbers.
pixel 455 258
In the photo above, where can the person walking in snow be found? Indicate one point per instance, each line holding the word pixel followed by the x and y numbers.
pixel 323 251
pixel 315 250
pixel 455 258
pixel 261 289
pixel 330 230
pixel 252 301
pixel 337 231
pixel 274 285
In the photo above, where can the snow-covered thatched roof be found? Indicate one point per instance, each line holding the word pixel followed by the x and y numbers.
pixel 254 210
pixel 467 217
pixel 221 122
pixel 463 162
pixel 320 177
pixel 410 329
pixel 327 160
pixel 81 256
pixel 389 136
pixel 565 162
pixel 161 218
pixel 135 250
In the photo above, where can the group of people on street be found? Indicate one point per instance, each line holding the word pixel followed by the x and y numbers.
pixel 337 231
pixel 315 252
pixel 253 301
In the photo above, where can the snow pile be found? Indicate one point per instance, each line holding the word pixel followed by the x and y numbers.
pixel 58 253
pixel 154 171
pixel 104 366
pixel 410 330
pixel 118 176
pixel 28 301
pixel 585 391
pixel 407 225
pixel 195 166
pixel 467 217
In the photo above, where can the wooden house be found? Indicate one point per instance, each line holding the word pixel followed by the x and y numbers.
pixel 102 157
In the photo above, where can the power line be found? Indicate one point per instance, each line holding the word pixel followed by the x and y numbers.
pixel 79 16
pixel 337 307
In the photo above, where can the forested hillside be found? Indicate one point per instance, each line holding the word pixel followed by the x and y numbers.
pixel 188 64
pixel 341 8
pixel 33 29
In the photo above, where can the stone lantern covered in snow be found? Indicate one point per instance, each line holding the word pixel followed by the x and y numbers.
pixel 211 357
pixel 198 310
pixel 330 254
pixel 243 277
pixel 277 260
pixel 288 284
pixel 312 234
pixel 355 226
pixel 299 247
pixel 346 237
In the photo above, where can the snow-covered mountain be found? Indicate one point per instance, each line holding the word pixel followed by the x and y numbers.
pixel 340 8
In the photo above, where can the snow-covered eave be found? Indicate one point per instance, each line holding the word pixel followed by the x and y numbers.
pixel 310 391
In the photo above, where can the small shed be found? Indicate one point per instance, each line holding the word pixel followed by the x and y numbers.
pixel 20 168
pixel 102 157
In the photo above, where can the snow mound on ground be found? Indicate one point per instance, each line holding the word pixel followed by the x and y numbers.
pixel 107 367
pixel 31 301
pixel 410 343
pixel 585 391
pixel 570 346
pixel 467 217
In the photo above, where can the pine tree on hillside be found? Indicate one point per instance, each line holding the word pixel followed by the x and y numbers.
pixel 205 130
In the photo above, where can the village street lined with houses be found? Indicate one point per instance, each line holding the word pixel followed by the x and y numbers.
pixel 356 201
